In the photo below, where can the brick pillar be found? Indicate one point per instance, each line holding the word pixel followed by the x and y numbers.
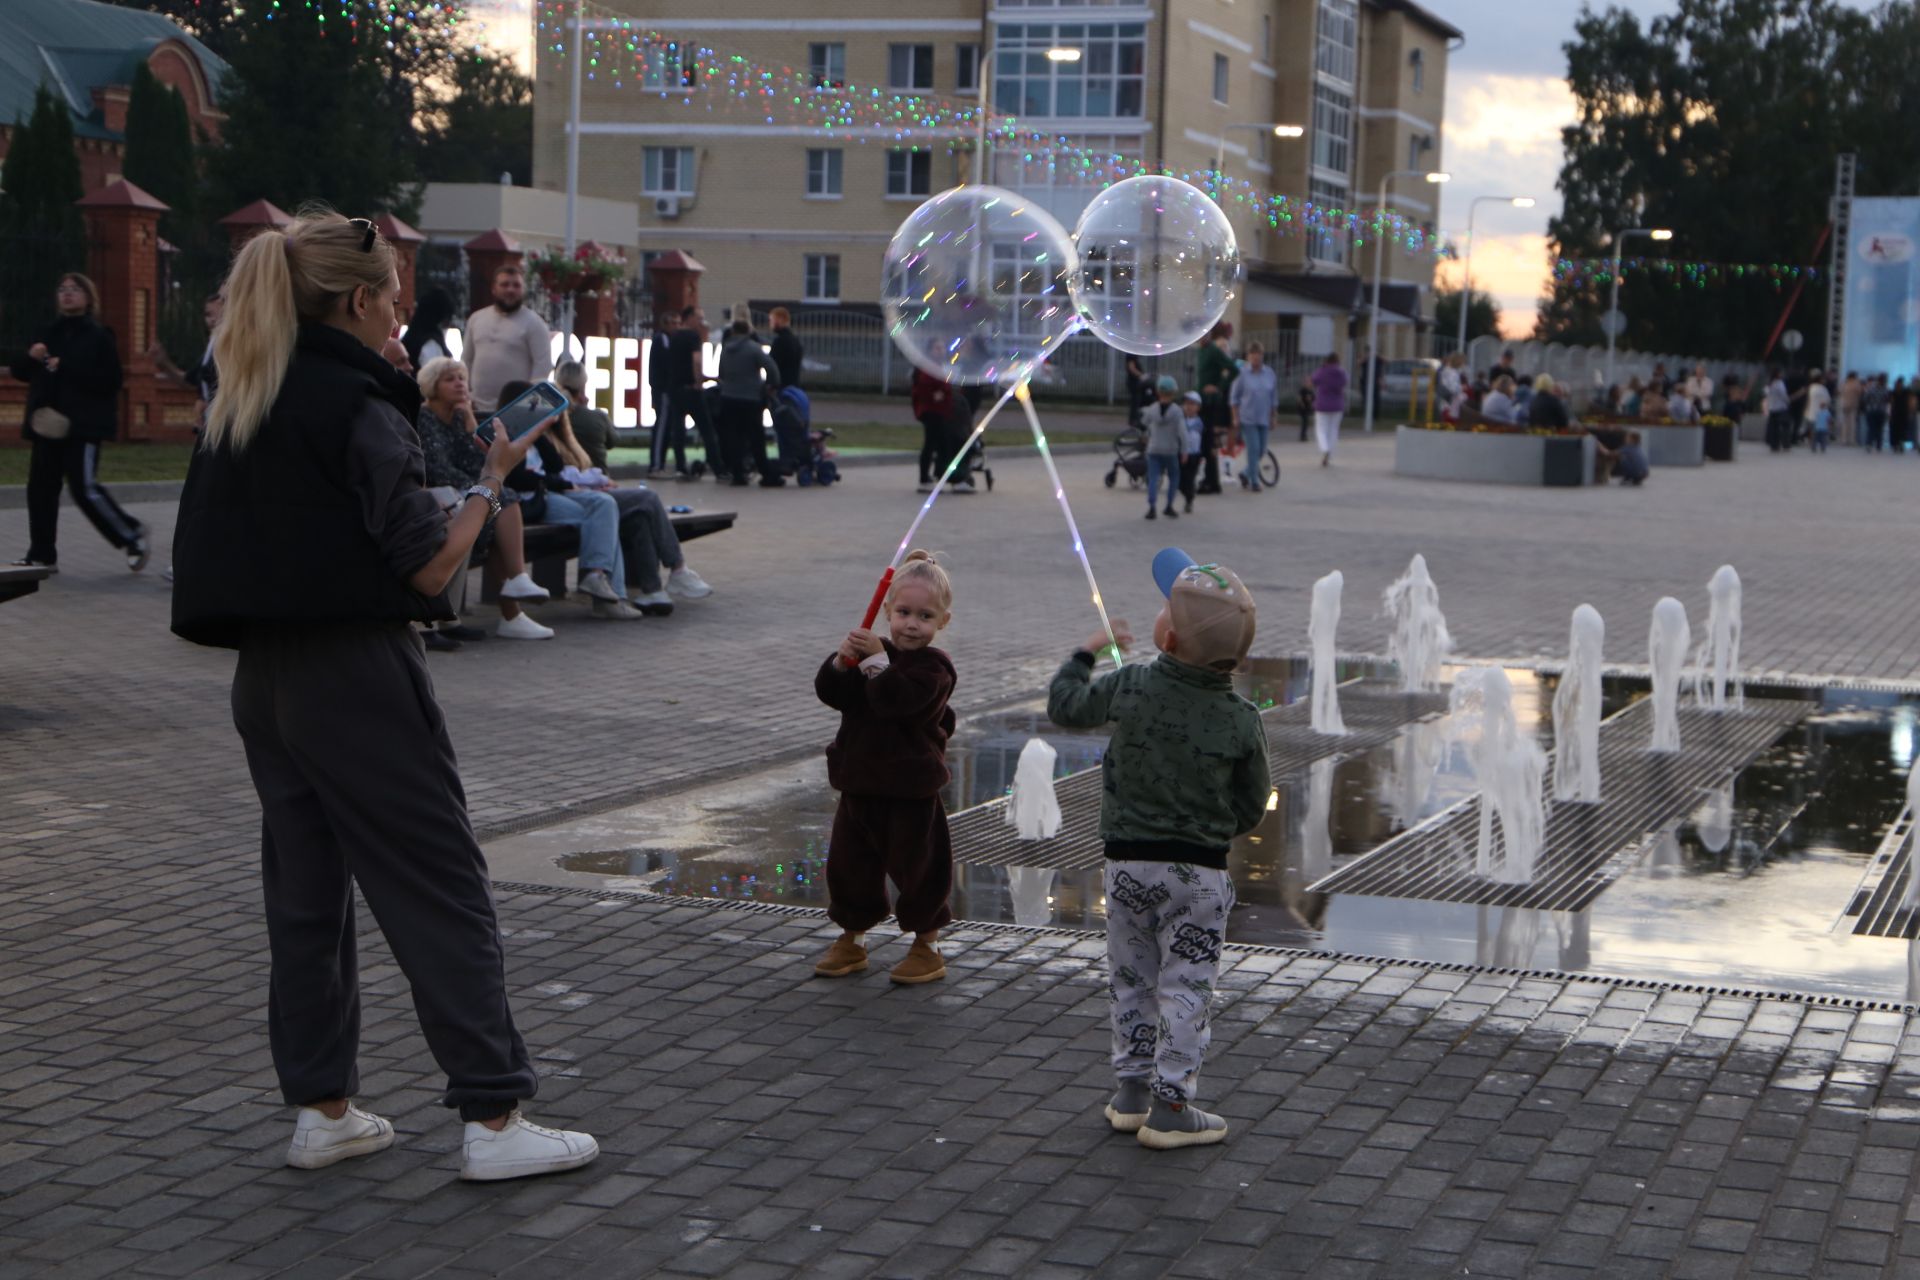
pixel 595 315
pixel 123 259
pixel 406 244
pixel 245 223
pixel 486 253
pixel 676 285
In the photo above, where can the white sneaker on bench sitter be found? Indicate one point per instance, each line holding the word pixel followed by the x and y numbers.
pixel 597 584
pixel 685 582
pixel 521 627
pixel 523 588
pixel 319 1142
pixel 522 1149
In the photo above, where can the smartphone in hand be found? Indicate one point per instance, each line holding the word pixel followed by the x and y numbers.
pixel 524 412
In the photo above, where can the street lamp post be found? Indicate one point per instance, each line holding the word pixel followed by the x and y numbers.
pixel 573 151
pixel 1466 271
pixel 1220 152
pixel 1613 303
pixel 1059 53
pixel 1379 264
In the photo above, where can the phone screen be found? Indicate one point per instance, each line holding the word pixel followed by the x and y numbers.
pixel 527 410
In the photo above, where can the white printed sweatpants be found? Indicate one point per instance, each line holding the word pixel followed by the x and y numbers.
pixel 1166 922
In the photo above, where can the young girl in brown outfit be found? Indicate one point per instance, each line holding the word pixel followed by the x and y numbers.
pixel 889 763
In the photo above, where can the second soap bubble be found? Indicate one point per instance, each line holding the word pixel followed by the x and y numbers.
pixel 1156 266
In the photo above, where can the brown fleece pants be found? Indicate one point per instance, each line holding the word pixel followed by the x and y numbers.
pixel 876 839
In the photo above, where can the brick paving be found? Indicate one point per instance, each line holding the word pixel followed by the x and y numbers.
pixel 1390 1119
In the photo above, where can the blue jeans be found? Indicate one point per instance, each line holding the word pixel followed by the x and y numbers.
pixel 1255 435
pixel 1162 464
pixel 598 518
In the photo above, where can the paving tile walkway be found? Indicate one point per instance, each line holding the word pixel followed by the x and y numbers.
pixel 1390 1119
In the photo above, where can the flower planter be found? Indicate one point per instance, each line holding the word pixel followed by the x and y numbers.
pixel 1493 457
pixel 1722 443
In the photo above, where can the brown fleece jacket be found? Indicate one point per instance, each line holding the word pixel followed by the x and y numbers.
pixel 893 727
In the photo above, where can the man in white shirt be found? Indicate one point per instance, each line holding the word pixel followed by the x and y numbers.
pixel 1779 410
pixel 1819 401
pixel 506 342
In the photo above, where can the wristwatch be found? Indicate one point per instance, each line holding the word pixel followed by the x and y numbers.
pixel 481 491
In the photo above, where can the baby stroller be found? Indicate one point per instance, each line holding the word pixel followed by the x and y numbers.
pixel 792 416
pixel 818 467
pixel 1130 456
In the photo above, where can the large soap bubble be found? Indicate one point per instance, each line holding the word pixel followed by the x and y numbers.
pixel 1157 265
pixel 975 285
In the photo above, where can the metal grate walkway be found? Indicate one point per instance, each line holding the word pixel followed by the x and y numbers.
pixel 1374 715
pixel 1878 911
pixel 1585 846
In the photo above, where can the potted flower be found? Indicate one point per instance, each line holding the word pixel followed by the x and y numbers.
pixel 590 269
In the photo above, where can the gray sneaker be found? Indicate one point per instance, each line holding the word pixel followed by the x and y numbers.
pixel 1128 1109
pixel 616 610
pixel 1172 1124
pixel 596 584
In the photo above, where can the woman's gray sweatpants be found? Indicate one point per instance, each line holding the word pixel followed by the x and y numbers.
pixel 1166 923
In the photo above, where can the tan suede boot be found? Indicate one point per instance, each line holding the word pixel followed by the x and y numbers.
pixel 845 956
pixel 923 964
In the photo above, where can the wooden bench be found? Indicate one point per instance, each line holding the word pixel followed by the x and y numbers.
pixel 550 546
pixel 21 580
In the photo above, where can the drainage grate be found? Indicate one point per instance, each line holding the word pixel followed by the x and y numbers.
pixel 1585 846
pixel 1879 910
pixel 1373 715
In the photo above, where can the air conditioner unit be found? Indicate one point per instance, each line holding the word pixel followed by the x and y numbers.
pixel 666 206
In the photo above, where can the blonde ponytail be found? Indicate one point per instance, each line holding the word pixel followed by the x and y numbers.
pixel 921 567
pixel 279 279
pixel 253 341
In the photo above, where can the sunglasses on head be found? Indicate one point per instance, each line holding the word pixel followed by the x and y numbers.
pixel 366 224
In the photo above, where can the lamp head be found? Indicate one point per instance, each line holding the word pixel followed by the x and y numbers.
pixel 1437 178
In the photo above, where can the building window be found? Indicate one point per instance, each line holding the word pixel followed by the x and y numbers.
pixel 1417 147
pixel 666 67
pixel 1326 236
pixel 910 67
pixel 1108 82
pixel 909 173
pixel 966 68
pixel 667 171
pixel 827 65
pixel 1064 190
pixel 1332 129
pixel 823 278
pixel 1418 61
pixel 1338 53
pixel 823 171
pixel 1266 37
pixel 1220 78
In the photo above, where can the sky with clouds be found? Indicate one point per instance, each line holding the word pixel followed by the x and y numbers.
pixel 1507 101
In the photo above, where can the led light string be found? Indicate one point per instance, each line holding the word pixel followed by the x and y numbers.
pixel 1599 271
pixel 398 20
pixel 1073 528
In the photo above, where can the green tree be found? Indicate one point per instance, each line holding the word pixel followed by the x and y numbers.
pixel 1483 314
pixel 1722 120
pixel 484 126
pixel 42 234
pixel 160 157
pixel 312 116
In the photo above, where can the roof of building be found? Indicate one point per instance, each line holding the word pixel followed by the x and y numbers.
pixel 76 46
pixel 1349 291
pixel 1419 13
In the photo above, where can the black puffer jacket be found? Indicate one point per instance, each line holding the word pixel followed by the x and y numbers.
pixel 86 386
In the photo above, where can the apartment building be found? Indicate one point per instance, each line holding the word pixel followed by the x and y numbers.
pixel 716 130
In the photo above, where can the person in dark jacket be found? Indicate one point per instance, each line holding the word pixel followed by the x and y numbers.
pixel 72 372
pixel 747 377
pixel 889 762
pixel 787 352
pixel 1546 408
pixel 308 541
pixel 686 382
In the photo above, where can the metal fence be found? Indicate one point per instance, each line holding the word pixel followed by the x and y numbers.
pixel 1585 368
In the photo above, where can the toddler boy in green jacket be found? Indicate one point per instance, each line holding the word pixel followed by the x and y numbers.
pixel 1185 772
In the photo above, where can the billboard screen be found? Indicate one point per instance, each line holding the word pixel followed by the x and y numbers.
pixel 1883 287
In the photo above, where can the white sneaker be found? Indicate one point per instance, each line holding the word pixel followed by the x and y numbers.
pixel 685 582
pixel 616 610
pixel 655 604
pixel 319 1142
pixel 963 486
pixel 522 628
pixel 597 584
pixel 521 586
pixel 521 1150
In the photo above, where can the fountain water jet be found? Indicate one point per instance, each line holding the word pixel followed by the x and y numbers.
pixel 1717 661
pixel 1323 620
pixel 1316 827
pixel 1912 896
pixel 1510 769
pixel 1032 808
pixel 1667 641
pixel 1420 642
pixel 1576 712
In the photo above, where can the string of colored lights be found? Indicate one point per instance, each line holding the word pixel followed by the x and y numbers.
pixel 1599 271
pixel 1073 527
pixel 397 20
